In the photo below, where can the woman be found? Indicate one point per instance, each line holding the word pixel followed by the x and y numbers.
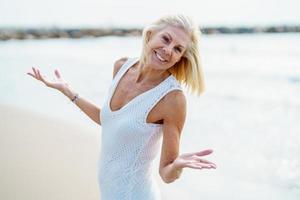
pixel 145 103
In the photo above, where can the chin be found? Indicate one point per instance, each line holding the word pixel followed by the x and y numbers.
pixel 158 65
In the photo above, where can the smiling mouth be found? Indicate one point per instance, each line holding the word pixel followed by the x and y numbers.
pixel 159 57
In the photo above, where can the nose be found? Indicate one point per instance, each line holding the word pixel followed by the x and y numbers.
pixel 167 50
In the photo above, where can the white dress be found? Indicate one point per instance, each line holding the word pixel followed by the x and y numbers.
pixel 129 144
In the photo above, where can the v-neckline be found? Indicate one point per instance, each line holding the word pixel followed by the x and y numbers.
pixel 134 98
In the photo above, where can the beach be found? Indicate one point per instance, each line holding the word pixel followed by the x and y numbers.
pixel 46 158
pixel 249 115
pixel 50 159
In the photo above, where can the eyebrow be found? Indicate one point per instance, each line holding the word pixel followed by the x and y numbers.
pixel 172 38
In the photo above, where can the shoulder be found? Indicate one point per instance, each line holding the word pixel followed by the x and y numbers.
pixel 118 64
pixel 174 106
pixel 175 98
pixel 172 111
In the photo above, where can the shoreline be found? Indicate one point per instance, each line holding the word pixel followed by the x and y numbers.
pixel 53 33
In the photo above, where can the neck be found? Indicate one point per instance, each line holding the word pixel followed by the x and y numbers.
pixel 147 74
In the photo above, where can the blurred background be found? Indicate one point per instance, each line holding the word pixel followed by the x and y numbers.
pixel 249 114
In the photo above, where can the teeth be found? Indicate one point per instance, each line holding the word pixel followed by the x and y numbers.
pixel 159 57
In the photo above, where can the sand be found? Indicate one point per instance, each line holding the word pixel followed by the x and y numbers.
pixel 49 159
pixel 43 158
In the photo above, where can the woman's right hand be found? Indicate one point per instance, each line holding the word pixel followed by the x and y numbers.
pixel 58 83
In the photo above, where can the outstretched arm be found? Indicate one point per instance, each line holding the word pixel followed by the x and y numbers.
pixel 171 163
pixel 90 109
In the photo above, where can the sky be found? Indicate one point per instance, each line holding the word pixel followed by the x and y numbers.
pixel 138 13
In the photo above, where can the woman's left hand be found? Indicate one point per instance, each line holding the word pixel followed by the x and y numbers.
pixel 194 160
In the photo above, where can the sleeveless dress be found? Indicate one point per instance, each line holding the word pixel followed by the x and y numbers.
pixel 129 144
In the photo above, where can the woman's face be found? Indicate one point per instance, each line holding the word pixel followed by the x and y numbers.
pixel 166 47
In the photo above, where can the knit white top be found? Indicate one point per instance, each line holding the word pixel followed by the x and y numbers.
pixel 129 144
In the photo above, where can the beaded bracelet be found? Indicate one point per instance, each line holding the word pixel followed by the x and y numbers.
pixel 75 98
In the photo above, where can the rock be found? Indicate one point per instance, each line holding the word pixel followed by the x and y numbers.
pixel 32 33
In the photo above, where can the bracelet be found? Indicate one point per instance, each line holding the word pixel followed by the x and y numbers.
pixel 75 98
pixel 178 172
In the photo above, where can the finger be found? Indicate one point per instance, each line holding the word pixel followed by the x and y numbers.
pixel 203 160
pixel 200 153
pixel 34 71
pixel 41 77
pixel 193 166
pixel 209 163
pixel 38 74
pixel 208 166
pixel 206 163
pixel 31 74
pixel 204 153
pixel 57 73
pixel 200 166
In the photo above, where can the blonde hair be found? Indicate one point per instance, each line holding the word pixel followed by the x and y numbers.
pixel 188 70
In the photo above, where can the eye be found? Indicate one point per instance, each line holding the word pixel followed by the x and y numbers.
pixel 178 49
pixel 165 38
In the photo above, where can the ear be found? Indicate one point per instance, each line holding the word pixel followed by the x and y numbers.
pixel 148 36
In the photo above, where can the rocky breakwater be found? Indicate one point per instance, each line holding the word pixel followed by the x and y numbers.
pixel 46 33
pixel 38 33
